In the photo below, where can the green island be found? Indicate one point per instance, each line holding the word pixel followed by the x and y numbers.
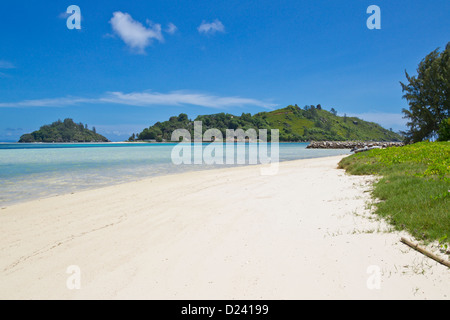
pixel 414 185
pixel 294 124
pixel 63 131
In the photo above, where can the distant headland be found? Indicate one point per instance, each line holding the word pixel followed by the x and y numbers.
pixel 295 124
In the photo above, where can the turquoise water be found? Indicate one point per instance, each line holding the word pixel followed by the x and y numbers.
pixel 31 171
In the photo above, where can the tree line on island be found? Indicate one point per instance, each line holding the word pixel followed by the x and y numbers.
pixel 294 124
pixel 63 131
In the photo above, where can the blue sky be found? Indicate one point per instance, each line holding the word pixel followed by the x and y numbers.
pixel 133 64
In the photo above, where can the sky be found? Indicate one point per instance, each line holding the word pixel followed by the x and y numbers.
pixel 133 63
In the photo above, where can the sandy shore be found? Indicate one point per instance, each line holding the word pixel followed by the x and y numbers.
pixel 304 233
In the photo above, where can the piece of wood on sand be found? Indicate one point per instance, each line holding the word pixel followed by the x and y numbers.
pixel 425 252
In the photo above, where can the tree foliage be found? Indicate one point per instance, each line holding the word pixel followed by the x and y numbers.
pixel 63 131
pixel 428 96
pixel 444 130
pixel 293 123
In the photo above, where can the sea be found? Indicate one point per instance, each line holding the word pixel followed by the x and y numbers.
pixel 34 171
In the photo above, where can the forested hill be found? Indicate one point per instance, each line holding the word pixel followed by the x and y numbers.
pixel 64 131
pixel 295 124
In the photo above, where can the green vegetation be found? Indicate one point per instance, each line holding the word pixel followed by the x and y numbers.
pixel 444 130
pixel 415 186
pixel 428 95
pixel 64 131
pixel 294 123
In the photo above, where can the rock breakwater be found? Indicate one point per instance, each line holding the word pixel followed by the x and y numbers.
pixel 353 145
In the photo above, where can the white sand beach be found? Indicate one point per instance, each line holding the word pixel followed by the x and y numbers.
pixel 304 233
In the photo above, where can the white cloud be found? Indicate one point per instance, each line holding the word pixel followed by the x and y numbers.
pixel 177 98
pixel 171 28
pixel 133 33
pixel 6 65
pixel 51 102
pixel 64 15
pixel 144 99
pixel 211 28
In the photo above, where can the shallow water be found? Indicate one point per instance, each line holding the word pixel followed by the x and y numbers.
pixel 31 171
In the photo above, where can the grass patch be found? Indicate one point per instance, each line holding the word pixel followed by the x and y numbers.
pixel 288 120
pixel 414 189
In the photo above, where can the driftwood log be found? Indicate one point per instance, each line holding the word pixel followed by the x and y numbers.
pixel 425 252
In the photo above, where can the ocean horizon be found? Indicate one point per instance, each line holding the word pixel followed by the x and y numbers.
pixel 40 170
